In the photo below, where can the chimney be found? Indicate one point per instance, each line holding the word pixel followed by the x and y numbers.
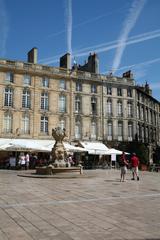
pixel 32 55
pixel 128 74
pixel 65 61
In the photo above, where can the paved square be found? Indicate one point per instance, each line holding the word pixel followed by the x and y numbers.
pixel 94 206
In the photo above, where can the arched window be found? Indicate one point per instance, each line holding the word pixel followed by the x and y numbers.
pixel 120 131
pixel 110 130
pixel 119 108
pixel 93 130
pixel 26 98
pixel 78 129
pixel 62 124
pixel 25 124
pixel 8 97
pixel 44 101
pixel 62 103
pixel 7 123
pixel 129 107
pixel 44 124
pixel 130 131
pixel 77 104
pixel 109 107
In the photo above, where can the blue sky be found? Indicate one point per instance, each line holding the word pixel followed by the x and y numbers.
pixel 124 33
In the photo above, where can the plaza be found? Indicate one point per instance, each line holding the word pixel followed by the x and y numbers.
pixel 95 205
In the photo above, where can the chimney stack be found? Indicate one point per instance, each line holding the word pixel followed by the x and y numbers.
pixel 65 61
pixel 32 55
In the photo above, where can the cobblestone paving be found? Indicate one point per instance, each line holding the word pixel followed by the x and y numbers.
pixel 94 206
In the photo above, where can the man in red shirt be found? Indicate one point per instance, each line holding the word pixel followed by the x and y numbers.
pixel 135 164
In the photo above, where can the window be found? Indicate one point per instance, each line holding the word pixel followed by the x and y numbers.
pixel 9 77
pixel 129 106
pixel 78 86
pixel 44 101
pixel 129 92
pixel 62 84
pixel 44 124
pixel 109 90
pixel 93 130
pixel 110 130
pixel 77 104
pixel 120 131
pixel 27 79
pixel 8 97
pixel 130 131
pixel 93 88
pixel 45 82
pixel 62 124
pixel 25 124
pixel 93 105
pixel 78 130
pixel 119 91
pixel 62 103
pixel 7 123
pixel 119 109
pixel 138 111
pixel 26 99
pixel 109 107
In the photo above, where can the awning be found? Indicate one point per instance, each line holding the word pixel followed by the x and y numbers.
pixel 96 148
pixel 30 145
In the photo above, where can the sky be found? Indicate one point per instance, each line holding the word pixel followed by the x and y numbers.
pixel 125 34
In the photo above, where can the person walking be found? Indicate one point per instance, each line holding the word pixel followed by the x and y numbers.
pixel 134 165
pixel 123 166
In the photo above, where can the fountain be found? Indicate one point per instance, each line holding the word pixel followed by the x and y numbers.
pixel 59 154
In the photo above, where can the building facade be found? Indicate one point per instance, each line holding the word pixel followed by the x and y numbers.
pixel 90 106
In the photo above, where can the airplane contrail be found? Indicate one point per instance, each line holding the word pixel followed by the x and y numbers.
pixel 128 24
pixel 4 27
pixel 108 46
pixel 69 27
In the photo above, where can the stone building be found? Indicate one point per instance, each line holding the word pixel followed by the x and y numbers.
pixel 90 106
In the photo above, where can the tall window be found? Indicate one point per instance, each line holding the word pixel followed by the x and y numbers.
pixel 44 124
pixel 109 107
pixel 120 131
pixel 62 84
pixel 93 105
pixel 78 86
pixel 93 130
pixel 109 90
pixel 45 82
pixel 8 97
pixel 62 124
pixel 129 106
pixel 77 104
pixel 8 123
pixel 27 79
pixel 62 103
pixel 44 101
pixel 25 124
pixel 119 91
pixel 119 109
pixel 110 130
pixel 9 77
pixel 78 130
pixel 93 88
pixel 129 92
pixel 130 131
pixel 26 99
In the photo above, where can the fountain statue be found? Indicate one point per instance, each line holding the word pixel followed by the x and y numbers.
pixel 59 153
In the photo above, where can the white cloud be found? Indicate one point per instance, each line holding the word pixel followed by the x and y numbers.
pixel 128 24
pixel 69 26
pixel 4 28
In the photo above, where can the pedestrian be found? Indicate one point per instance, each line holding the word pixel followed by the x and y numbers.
pixel 123 166
pixel 134 165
